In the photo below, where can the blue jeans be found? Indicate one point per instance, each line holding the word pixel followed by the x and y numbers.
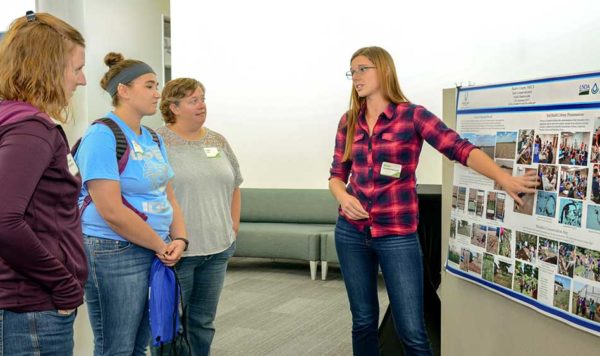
pixel 201 279
pixel 116 294
pixel 401 265
pixel 36 333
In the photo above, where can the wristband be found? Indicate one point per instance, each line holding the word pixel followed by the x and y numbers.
pixel 187 242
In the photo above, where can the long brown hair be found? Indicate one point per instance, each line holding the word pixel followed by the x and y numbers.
pixel 386 72
pixel 33 57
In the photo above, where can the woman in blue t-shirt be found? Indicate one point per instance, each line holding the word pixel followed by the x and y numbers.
pixel 132 212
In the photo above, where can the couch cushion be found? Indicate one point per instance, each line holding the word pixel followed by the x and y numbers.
pixel 314 206
pixel 279 240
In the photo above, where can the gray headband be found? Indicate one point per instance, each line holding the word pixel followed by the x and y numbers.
pixel 127 75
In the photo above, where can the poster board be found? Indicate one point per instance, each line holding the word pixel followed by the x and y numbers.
pixel 545 254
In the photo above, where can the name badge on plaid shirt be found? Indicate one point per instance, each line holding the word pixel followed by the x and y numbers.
pixel 391 169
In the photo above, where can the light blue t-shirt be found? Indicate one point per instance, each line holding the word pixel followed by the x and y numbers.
pixel 143 182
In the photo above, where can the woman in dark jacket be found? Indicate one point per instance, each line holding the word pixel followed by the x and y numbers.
pixel 42 263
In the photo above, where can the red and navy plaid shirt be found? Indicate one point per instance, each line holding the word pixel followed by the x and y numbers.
pixel 397 138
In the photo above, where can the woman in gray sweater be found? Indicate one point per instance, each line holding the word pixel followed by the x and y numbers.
pixel 206 184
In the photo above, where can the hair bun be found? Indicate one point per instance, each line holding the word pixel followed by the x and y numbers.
pixel 113 58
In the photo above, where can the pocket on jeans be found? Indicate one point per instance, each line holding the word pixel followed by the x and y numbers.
pixel 56 314
pixel 110 247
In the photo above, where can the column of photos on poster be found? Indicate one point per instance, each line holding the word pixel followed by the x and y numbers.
pixel 546 253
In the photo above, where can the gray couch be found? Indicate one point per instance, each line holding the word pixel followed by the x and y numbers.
pixel 328 252
pixel 286 224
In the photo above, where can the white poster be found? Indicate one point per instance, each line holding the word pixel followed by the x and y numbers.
pixel 546 253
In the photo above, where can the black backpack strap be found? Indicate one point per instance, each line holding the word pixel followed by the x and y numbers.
pixel 122 145
pixel 154 135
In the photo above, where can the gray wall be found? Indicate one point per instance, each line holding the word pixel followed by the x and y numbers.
pixel 476 321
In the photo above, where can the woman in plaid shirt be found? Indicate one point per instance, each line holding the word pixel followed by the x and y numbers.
pixel 377 150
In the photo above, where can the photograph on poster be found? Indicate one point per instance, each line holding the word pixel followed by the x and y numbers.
pixel 493 240
pixel 595 155
pixel 548 144
pixel 464 228
pixel 505 242
pixel 586 301
pixel 569 212
pixel 526 246
pixel 486 143
pixel 548 177
pixel 479 235
pixel 548 250
pixel 562 290
pixel 507 166
pixel 525 147
pixel 506 144
pixel 453 228
pixel 537 146
pixel 526 279
pixel 500 206
pixel 487 270
pixel 490 209
pixel 474 262
pixel 454 196
pixel 453 253
pixel 462 197
pixel 479 203
pixel 573 182
pixel 472 202
pixel 528 198
pixel 574 148
pixel 465 258
pixel 545 204
pixel 503 273
pixel 495 206
pixel 587 263
pixel 595 194
pixel 592 220
pixel 566 259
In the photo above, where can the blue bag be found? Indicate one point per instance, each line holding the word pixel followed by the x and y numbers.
pixel 164 297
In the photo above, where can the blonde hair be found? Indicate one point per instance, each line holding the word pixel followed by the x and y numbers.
pixel 386 73
pixel 174 91
pixel 33 58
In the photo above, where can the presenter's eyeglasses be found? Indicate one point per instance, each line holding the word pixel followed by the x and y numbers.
pixel 361 70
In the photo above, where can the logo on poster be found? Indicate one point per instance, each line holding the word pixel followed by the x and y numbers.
pixel 584 89
pixel 595 89
pixel 465 100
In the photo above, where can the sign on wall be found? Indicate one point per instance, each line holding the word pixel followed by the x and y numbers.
pixel 546 253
